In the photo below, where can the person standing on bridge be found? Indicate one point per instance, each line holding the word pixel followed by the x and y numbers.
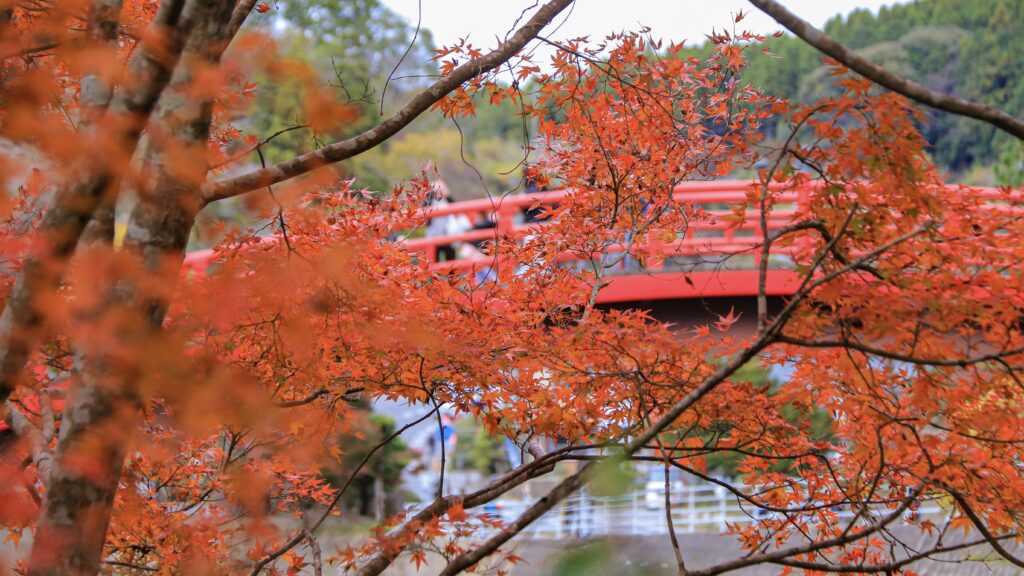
pixel 445 224
pixel 474 249
pixel 534 214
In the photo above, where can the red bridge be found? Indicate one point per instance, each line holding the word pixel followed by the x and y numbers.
pixel 715 260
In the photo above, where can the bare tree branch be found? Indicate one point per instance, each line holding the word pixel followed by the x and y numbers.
pixel 307 532
pixel 888 567
pixel 882 77
pixel 979 523
pixel 846 537
pixel 38 446
pixel 422 102
pixel 542 464
pixel 908 358
pixel 238 16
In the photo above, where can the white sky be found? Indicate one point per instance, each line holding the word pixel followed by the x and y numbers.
pixel 671 20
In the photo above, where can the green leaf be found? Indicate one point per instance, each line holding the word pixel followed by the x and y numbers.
pixel 614 477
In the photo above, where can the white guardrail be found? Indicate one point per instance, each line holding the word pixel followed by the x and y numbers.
pixel 695 508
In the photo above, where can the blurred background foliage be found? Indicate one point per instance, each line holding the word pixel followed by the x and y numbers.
pixel 363 53
pixel 375 478
pixel 969 49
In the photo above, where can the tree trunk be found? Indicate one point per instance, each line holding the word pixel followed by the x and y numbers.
pixel 103 406
pixel 74 203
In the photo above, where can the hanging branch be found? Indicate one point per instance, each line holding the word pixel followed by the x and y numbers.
pixel 422 102
pixel 952 104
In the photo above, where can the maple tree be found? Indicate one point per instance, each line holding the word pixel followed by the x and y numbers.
pixel 196 408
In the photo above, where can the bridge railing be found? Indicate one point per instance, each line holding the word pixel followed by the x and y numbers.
pixel 699 507
pixel 696 507
pixel 715 236
pixel 712 257
pixel 707 236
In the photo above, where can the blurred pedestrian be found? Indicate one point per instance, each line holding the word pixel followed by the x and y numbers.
pixel 534 213
pixel 446 224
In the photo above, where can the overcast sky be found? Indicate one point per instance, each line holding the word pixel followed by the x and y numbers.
pixel 673 20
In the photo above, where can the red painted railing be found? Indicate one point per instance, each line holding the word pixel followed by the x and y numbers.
pixel 715 258
pixel 682 274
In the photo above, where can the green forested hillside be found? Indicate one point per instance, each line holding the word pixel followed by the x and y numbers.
pixel 971 48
